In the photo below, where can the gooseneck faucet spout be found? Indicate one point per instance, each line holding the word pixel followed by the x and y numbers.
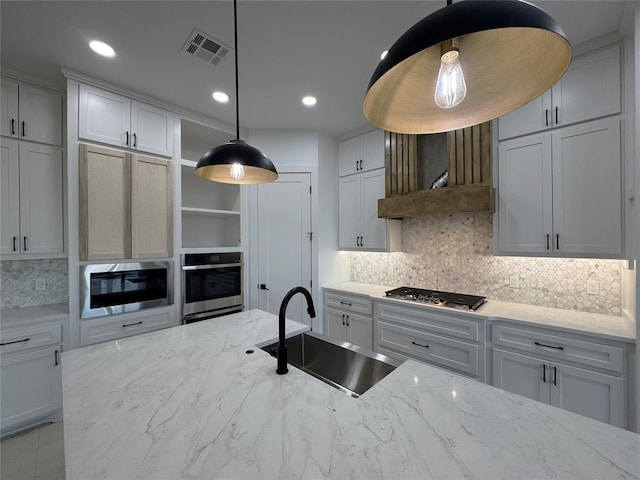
pixel 282 346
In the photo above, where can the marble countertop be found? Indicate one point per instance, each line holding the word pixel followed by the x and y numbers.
pixel 189 403
pixel 39 313
pixel 593 324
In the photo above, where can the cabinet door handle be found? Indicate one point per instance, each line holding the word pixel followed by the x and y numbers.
pixel 343 320
pixel 557 241
pixel 13 126
pixel 556 115
pixel 56 360
pixel 15 247
pixel 348 325
pixel 555 375
pixel 16 341
pixel 135 140
pixel 358 241
pixel 360 165
pixel 124 325
pixel 24 243
pixel 544 373
pixel 357 166
pixel 127 140
pixel 547 241
pixel 548 346
pixel 546 117
pixel 345 303
pixel 23 132
pixel 419 344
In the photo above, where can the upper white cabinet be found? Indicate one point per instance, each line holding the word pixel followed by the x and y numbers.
pixel 30 113
pixel 559 193
pixel 32 199
pixel 361 154
pixel 110 118
pixel 359 225
pixel 589 89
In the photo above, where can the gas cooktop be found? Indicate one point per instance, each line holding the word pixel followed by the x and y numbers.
pixel 436 297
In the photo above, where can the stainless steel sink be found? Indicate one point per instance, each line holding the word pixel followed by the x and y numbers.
pixel 347 367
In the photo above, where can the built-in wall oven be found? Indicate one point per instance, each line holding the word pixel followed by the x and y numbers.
pixel 113 288
pixel 211 285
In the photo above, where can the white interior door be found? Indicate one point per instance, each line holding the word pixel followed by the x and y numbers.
pixel 284 244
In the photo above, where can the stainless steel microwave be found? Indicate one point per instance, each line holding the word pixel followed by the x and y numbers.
pixel 113 288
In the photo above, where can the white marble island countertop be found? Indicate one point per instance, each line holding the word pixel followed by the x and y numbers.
pixel 189 403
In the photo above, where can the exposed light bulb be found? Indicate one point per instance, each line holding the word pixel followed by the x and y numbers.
pixel 450 87
pixel 237 171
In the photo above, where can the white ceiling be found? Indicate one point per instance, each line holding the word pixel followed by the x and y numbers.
pixel 287 49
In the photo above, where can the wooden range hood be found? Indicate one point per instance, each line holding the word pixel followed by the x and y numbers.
pixel 469 167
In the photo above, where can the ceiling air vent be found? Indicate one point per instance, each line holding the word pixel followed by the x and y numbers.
pixel 204 46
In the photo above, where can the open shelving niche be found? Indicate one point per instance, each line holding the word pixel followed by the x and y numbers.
pixel 211 220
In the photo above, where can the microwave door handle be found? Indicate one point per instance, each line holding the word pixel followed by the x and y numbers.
pixel 209 267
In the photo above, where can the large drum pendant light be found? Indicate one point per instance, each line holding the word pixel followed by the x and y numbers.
pixel 509 51
pixel 236 161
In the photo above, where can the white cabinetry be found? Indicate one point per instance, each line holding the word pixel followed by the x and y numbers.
pixel 560 192
pixel 575 373
pixel 210 210
pixel 32 199
pixel 110 118
pixel 361 154
pixel 120 326
pixel 589 89
pixel 445 339
pixel 347 318
pixel 30 375
pixel 30 113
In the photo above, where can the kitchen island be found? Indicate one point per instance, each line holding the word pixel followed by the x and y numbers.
pixel 189 403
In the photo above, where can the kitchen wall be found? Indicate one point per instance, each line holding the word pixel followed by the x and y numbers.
pixel 454 253
pixel 18 282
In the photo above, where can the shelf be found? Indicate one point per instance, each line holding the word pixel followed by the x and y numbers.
pixel 188 163
pixel 209 212
pixel 211 250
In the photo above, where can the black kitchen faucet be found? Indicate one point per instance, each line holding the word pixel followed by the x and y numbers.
pixel 282 346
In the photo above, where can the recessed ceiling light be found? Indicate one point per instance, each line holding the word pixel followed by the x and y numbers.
pixel 309 101
pixel 102 48
pixel 220 97
pixel 383 54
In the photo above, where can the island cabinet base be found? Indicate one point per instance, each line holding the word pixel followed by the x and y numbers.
pixel 573 372
pixel 445 339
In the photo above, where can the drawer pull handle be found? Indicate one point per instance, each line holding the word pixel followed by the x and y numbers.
pixel 548 346
pixel 124 325
pixel 17 341
pixel 345 303
pixel 419 344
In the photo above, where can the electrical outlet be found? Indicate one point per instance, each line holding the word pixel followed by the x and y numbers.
pixel 593 287
pixel 514 281
pixel 41 283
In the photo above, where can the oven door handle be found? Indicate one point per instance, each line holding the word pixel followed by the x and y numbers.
pixel 209 267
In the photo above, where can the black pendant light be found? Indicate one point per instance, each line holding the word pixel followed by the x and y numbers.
pixel 236 162
pixel 509 51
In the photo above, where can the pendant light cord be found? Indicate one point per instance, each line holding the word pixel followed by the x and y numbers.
pixel 235 42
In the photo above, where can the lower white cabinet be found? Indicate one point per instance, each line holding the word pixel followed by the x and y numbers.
pixel 30 376
pixel 121 326
pixel 578 374
pixel 446 339
pixel 347 318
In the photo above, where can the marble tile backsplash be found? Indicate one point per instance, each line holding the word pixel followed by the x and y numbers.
pixel 18 281
pixel 454 253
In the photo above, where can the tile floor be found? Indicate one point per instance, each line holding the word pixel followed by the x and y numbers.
pixel 36 454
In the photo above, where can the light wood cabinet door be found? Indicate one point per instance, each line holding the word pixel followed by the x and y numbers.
pixel 104 117
pixel 105 204
pixel 592 394
pixel 587 188
pixel 522 374
pixel 151 207
pixel 349 212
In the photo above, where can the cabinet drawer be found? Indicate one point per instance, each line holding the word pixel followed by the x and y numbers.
pixel 429 321
pixel 446 352
pixel 25 339
pixel 560 346
pixel 348 303
pixel 96 331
